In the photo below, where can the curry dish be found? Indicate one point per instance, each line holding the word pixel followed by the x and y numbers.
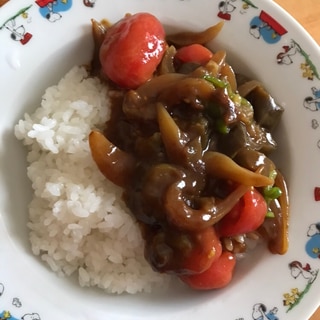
pixel 190 147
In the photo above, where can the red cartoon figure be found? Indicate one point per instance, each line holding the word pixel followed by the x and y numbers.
pixel 289 51
pixel 297 269
pixel 316 191
pixel 309 70
pixel 225 9
pixel 295 295
pixel 18 31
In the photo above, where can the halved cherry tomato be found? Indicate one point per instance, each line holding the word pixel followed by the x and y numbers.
pixel 132 49
pixel 217 276
pixel 196 53
pixel 246 216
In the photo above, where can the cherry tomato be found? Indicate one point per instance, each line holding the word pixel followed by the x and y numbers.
pixel 175 252
pixel 132 49
pixel 218 275
pixel 196 53
pixel 206 250
pixel 246 216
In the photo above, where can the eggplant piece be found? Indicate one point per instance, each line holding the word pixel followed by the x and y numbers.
pixel 261 138
pixel 188 67
pixel 256 138
pixel 236 139
pixel 241 79
pixel 267 112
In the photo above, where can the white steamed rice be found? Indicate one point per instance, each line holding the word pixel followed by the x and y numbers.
pixel 77 220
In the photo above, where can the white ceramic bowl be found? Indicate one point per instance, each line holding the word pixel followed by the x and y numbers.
pixel 39 45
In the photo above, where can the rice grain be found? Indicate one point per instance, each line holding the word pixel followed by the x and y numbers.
pixel 78 223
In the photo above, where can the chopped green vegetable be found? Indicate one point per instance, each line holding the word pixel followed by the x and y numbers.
pixel 221 126
pixel 272 192
pixel 214 112
pixel 269 214
pixel 216 81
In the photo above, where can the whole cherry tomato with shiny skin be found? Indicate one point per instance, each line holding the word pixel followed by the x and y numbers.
pixel 207 249
pixel 132 49
pixel 246 216
pixel 217 276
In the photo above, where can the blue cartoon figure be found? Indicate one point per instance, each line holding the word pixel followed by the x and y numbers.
pixel 50 9
pixel 312 103
pixel 267 28
pixel 6 315
pixel 313 244
pixel 259 312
